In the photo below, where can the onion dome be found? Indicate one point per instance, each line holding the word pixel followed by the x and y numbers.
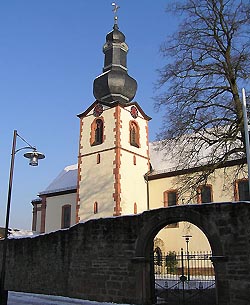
pixel 114 84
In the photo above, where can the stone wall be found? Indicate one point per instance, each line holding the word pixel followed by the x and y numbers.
pixel 90 261
pixel 109 259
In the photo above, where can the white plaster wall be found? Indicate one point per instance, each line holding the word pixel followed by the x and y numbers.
pixel 173 238
pixel 133 185
pixel 54 211
pixel 97 184
pixel 109 125
pixel 97 180
pixel 38 221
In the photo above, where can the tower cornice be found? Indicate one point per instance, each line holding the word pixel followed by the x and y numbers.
pixel 112 105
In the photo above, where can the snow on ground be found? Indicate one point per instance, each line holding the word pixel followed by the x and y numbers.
pixel 19 298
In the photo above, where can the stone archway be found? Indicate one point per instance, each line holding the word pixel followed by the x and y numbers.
pixel 168 216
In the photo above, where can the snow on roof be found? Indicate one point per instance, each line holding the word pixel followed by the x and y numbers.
pixel 66 180
pixel 200 148
pixel 160 159
pixel 163 157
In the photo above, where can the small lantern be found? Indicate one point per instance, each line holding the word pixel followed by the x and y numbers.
pixel 34 156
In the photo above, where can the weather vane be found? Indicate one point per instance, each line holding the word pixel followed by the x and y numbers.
pixel 115 9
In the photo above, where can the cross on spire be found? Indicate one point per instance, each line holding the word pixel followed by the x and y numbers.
pixel 115 9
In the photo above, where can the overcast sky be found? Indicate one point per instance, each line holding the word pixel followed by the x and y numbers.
pixel 50 53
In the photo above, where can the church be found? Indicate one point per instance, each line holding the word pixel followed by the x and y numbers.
pixel 118 171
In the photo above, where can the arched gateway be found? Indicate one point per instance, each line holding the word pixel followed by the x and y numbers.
pixel 109 259
pixel 203 220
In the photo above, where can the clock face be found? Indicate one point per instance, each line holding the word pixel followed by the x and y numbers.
pixel 98 110
pixel 134 112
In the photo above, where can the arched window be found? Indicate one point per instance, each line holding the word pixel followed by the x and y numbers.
pixel 158 257
pixel 241 191
pixel 134 134
pixel 66 216
pixel 97 132
pixel 170 198
pixel 204 194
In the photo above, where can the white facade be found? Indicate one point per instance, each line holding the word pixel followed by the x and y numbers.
pixel 54 210
pixel 111 173
pixel 60 195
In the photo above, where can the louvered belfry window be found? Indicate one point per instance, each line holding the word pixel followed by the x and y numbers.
pixel 134 134
pixel 99 132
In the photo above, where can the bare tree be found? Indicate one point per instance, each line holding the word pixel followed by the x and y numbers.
pixel 207 63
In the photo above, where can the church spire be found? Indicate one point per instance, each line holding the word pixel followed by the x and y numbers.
pixel 114 84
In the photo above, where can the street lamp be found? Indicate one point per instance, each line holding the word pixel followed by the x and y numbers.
pixel 187 238
pixel 33 156
pixel 246 131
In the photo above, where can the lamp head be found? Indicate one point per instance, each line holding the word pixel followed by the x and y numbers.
pixel 34 156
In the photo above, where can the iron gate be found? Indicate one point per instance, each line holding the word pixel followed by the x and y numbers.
pixel 185 278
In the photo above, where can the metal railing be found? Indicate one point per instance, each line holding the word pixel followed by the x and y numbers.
pixel 192 264
pixel 190 273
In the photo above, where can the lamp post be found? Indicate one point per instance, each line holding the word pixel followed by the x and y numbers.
pixel 187 238
pixel 33 156
pixel 246 131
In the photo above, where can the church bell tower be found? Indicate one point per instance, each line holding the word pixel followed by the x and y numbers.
pixel 113 147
